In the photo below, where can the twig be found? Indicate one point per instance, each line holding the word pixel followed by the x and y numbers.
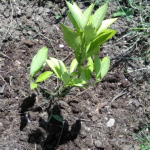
pixel 4 54
pixel 117 96
pixel 67 56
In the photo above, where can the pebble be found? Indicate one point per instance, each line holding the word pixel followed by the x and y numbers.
pixel 108 147
pixel 130 147
pixel 6 13
pixel 1 128
pixel 111 122
pixel 98 144
pixel 29 12
pixel 136 103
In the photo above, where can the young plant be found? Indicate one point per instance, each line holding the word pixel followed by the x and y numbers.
pixel 90 32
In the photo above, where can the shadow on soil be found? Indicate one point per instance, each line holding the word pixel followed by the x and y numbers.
pixel 25 106
pixel 49 134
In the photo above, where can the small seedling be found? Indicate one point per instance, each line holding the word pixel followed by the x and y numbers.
pixel 57 16
pixel 123 11
pixel 90 32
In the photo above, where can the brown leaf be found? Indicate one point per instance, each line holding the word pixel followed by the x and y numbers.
pixel 100 105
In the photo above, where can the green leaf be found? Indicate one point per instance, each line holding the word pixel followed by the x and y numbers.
pixel 90 33
pixel 57 16
pixel 66 78
pixel 44 76
pixel 118 13
pixel 72 38
pixel 33 85
pixel 86 75
pixel 97 67
pixel 101 38
pixel 123 11
pixel 73 74
pixel 91 52
pixel 148 82
pixel 73 22
pixel 90 64
pixel 53 64
pixel 90 20
pixel 62 66
pixel 73 65
pixel 64 73
pixel 105 66
pixel 83 75
pixel 77 14
pixel 106 24
pixel 78 82
pixel 99 16
pixel 38 60
pixel 86 14
pixel 58 118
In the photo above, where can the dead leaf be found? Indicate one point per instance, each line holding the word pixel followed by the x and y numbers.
pixel 100 105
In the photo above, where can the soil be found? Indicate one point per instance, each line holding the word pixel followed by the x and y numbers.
pixel 27 26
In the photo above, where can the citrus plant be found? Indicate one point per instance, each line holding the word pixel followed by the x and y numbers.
pixel 90 31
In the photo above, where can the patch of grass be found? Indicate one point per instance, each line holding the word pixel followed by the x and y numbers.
pixel 141 20
pixel 137 40
pixel 143 138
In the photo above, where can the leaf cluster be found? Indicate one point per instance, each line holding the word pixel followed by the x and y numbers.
pixel 90 31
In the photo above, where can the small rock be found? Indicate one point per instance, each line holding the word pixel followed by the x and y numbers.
pixel 108 147
pixel 2 89
pixel 87 128
pixel 61 45
pixel 24 32
pixel 29 32
pixel 40 10
pixel 94 118
pixel 83 134
pixel 98 144
pixel 17 63
pixel 47 10
pixel 23 19
pixel 111 122
pixel 2 7
pixel 130 89
pixel 41 42
pixel 64 11
pixel 29 12
pixel 7 13
pixel 23 138
pixel 136 103
pixel 22 2
pixel 75 110
pixel 28 43
pixel 1 128
pixel 89 114
pixel 130 147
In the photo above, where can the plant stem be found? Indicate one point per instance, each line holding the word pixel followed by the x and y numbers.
pixel 93 83
pixel 80 55
pixel 58 90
